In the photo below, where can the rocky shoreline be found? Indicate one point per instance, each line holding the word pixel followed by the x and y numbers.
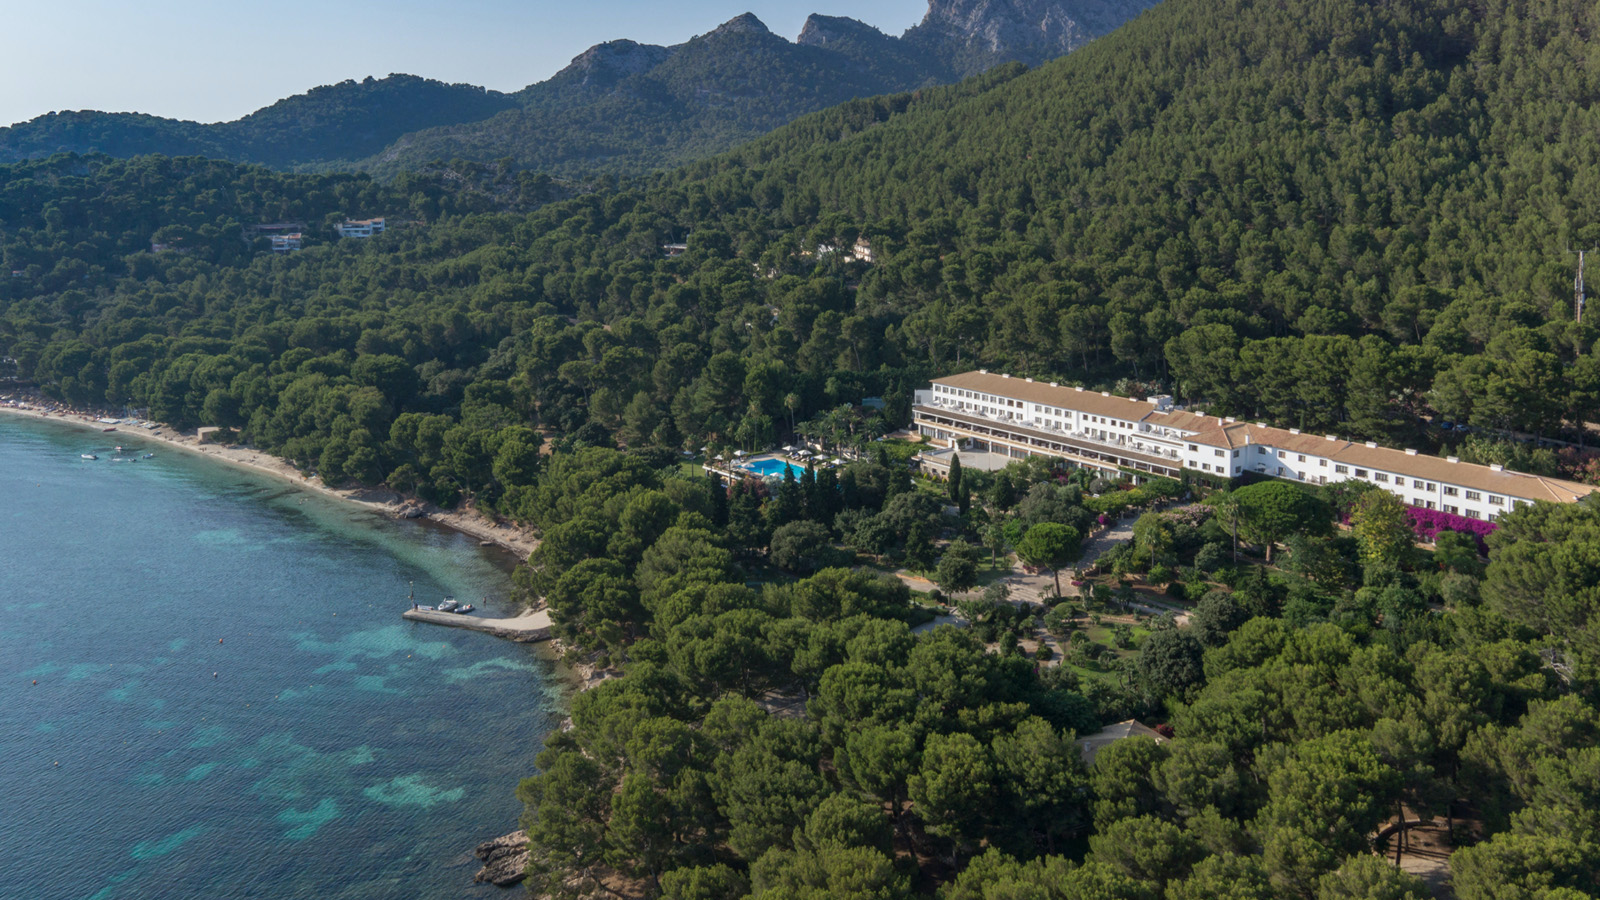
pixel 505 859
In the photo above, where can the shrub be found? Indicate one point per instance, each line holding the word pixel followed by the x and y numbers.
pixel 1211 557
pixel 802 547
pixel 1427 523
pixel 1060 620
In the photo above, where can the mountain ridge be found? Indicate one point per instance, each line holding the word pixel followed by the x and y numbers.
pixel 620 106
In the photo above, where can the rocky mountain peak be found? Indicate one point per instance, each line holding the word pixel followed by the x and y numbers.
pixel 745 24
pixel 1029 30
pixel 612 61
pixel 821 31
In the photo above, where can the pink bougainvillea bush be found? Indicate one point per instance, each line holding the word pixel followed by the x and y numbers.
pixel 1427 523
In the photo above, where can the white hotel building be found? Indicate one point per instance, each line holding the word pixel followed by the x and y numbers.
pixel 1019 417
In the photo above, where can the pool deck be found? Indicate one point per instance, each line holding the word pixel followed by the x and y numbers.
pixel 741 466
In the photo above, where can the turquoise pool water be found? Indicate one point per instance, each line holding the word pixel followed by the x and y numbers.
pixel 773 468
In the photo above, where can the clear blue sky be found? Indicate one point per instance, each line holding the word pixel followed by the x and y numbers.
pixel 215 60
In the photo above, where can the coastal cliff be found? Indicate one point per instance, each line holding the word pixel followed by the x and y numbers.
pixel 505 859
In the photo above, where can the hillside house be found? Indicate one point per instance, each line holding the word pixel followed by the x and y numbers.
pixel 360 228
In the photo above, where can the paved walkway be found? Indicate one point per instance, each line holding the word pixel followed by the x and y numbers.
pixel 955 619
pixel 1038 588
pixel 1105 540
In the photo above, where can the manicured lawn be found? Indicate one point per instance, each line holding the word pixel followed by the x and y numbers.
pixel 900 450
pixel 1101 634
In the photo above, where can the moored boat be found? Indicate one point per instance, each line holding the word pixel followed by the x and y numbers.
pixel 89 456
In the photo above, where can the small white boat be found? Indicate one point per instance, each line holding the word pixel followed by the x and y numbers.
pixel 448 604
pixel 89 456
pixel 148 456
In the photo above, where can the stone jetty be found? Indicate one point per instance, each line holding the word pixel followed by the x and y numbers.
pixel 529 628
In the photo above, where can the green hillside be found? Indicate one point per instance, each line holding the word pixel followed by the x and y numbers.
pixel 620 108
pixel 1183 202
pixel 702 97
pixel 1271 194
pixel 1337 215
pixel 343 121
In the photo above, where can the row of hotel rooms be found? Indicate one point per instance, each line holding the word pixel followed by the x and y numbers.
pixel 1019 417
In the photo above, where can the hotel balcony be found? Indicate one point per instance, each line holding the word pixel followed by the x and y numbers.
pixel 1131 452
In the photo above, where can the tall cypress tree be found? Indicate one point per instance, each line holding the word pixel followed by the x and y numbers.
pixel 719 500
pixel 955 478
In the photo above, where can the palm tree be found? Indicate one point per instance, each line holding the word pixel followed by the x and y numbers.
pixel 791 402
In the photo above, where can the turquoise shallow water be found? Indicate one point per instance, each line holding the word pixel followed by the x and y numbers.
pixel 228 703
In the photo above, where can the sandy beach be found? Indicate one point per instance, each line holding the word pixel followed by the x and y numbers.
pixel 380 499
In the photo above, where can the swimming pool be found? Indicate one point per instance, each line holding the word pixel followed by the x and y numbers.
pixel 773 468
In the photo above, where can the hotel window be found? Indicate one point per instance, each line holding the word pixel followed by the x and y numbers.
pixel 1416 482
pixel 1300 457
pixel 1323 463
pixel 1474 495
pixel 1280 470
pixel 1380 477
pixel 1449 491
pixel 1282 455
pixel 1496 500
pixel 1235 454
pixel 1452 510
pixel 1361 473
pixel 1342 470
pixel 1217 452
pixel 1431 486
pixel 1474 514
pixel 1193 448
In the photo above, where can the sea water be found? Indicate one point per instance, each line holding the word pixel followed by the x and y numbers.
pixel 228 703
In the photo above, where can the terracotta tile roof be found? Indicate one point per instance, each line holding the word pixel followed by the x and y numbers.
pixel 1219 433
pixel 1092 402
